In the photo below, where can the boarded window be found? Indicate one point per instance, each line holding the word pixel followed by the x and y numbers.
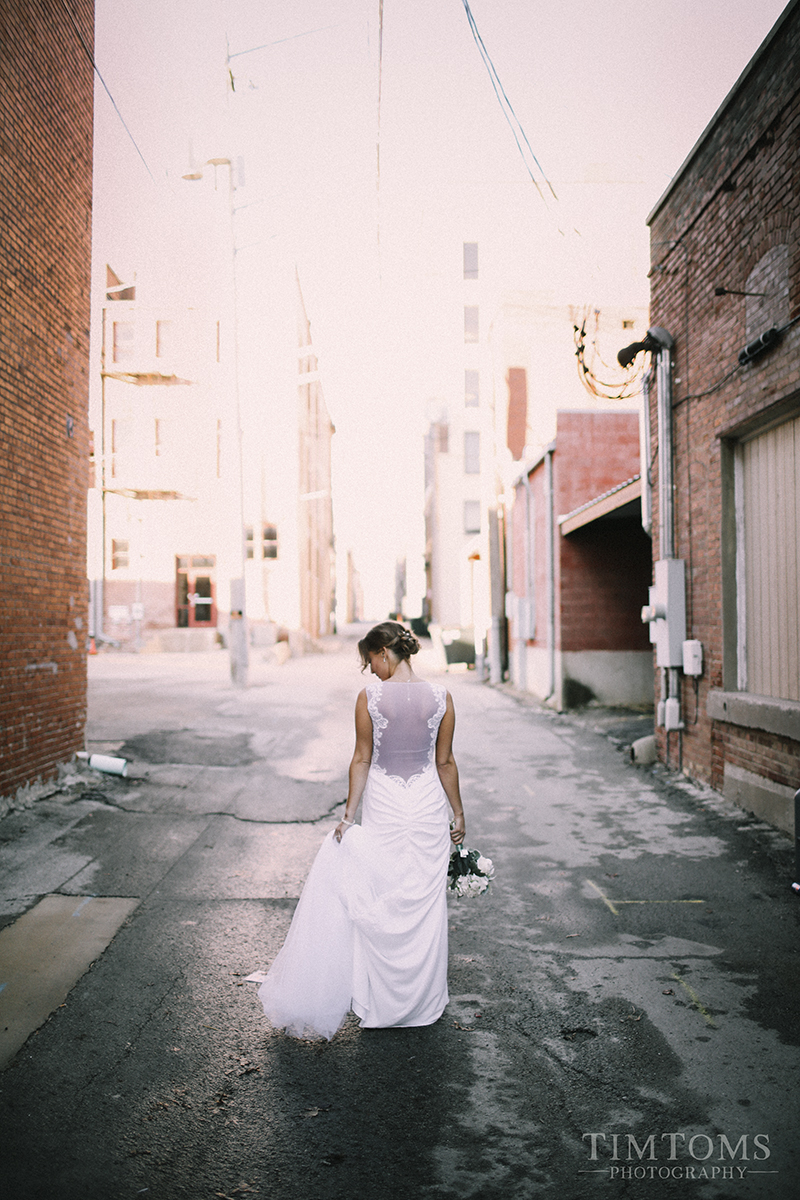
pixel 470 260
pixel 767 486
pixel 472 516
pixel 165 339
pixel 471 323
pixel 472 452
pixel 124 341
pixel 472 388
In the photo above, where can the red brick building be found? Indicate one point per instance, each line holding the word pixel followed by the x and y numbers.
pixel 580 566
pixel 46 99
pixel 725 282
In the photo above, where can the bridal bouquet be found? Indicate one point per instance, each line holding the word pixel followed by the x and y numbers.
pixel 469 873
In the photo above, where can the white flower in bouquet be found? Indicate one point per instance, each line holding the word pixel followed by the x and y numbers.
pixel 485 866
pixel 469 872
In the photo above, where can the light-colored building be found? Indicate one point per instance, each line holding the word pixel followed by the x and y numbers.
pixel 200 483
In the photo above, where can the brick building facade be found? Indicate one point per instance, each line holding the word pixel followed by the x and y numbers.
pixel 46 98
pixel 725 273
pixel 580 566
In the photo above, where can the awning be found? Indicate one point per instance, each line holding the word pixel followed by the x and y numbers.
pixel 609 504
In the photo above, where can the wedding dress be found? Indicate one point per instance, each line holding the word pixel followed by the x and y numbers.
pixel 370 929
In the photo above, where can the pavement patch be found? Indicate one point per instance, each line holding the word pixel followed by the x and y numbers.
pixel 44 953
pixel 193 749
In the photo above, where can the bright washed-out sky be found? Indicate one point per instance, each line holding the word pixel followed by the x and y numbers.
pixel 607 93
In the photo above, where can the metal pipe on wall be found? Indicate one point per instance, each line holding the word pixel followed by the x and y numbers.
pixel 666 496
pixel 551 570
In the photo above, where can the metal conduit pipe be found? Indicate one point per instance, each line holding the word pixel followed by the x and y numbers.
pixel 530 586
pixel 551 570
pixel 666 495
pixel 662 345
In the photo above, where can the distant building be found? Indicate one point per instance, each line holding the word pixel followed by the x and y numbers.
pixel 458 471
pixel 46 105
pixel 516 377
pixel 183 507
pixel 725 281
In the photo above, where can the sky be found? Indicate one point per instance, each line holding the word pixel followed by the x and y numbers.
pixel 611 95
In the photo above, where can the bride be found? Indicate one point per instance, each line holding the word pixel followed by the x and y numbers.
pixel 370 929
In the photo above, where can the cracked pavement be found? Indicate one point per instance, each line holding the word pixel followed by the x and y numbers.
pixel 632 973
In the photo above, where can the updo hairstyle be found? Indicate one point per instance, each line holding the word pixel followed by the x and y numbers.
pixel 389 635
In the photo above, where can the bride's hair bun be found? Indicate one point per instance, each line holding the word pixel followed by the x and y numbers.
pixel 389 635
pixel 405 644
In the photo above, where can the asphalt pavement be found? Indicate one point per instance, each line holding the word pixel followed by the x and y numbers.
pixel 623 1017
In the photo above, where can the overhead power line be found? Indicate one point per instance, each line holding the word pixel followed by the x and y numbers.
pixel 90 56
pixel 511 117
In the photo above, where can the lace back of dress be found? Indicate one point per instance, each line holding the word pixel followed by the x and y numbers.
pixel 405 722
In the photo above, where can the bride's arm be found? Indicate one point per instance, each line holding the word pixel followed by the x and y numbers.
pixel 448 771
pixel 359 765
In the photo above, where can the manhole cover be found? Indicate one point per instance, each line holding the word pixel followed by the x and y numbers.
pixel 191 749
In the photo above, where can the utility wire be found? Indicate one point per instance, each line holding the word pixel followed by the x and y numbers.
pixel 721 382
pixel 292 38
pixel 511 117
pixel 378 135
pixel 90 56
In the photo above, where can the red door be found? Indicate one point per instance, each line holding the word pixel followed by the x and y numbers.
pixel 195 591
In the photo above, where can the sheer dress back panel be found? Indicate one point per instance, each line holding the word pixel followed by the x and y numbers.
pixel 405 725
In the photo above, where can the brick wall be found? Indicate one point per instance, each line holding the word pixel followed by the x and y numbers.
pixel 730 220
pixel 605 571
pixel 602 571
pixel 46 96
pixel 595 451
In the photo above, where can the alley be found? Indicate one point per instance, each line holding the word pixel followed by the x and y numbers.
pixel 623 1014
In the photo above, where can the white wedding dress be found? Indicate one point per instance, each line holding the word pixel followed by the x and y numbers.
pixel 370 929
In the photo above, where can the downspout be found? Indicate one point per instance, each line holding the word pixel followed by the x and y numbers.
pixel 644 456
pixel 666 497
pixel 664 345
pixel 551 570
pixel 530 588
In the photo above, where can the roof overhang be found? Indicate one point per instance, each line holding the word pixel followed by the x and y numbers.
pixel 607 505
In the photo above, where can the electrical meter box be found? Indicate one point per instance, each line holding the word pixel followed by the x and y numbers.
pixel 693 657
pixel 666 612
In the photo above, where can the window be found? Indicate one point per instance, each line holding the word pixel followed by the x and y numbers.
pixel 269 541
pixel 472 389
pixel 472 452
pixel 472 516
pixel 471 323
pixel 248 541
pixel 767 502
pixel 116 441
pixel 119 554
pixel 124 341
pixel 470 260
pixel 165 339
pixel 628 324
